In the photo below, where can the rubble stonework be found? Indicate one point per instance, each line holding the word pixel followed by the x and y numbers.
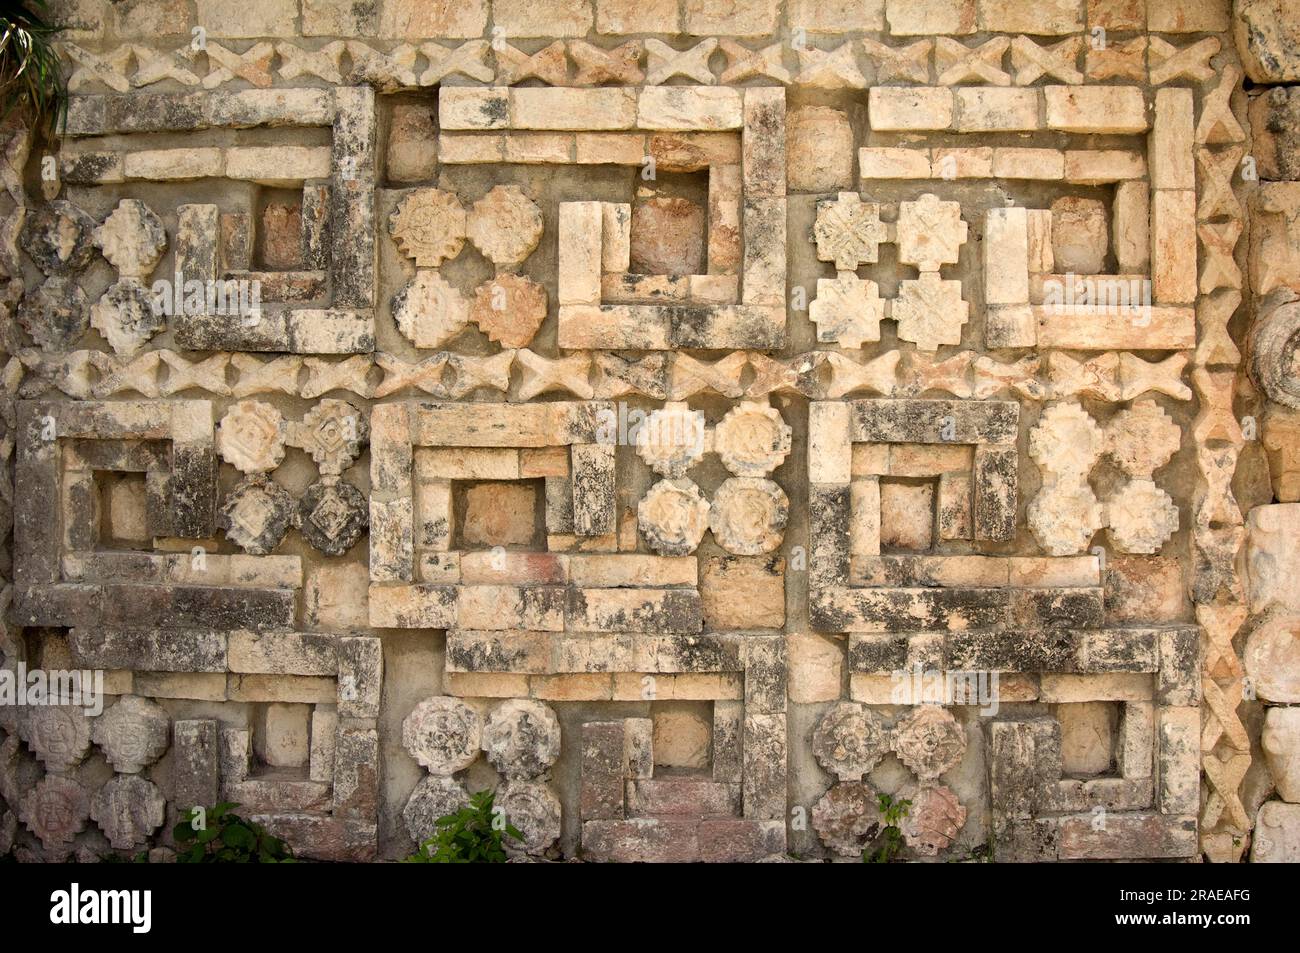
pixel 704 439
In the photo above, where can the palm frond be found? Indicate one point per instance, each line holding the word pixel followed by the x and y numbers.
pixel 31 77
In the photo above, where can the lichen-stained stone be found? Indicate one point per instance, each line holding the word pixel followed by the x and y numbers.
pixel 1140 517
pixel 434 796
pixel 1277 834
pixel 55 313
pixel 1275 348
pixel 930 311
pixel 58 734
pixel 752 439
pixel 1268 40
pixel 429 312
pixel 332 516
pixel 929 741
pixel 521 738
pixel 257 514
pixel 55 810
pixel 748 515
pixel 412 154
pixel 509 309
pixel 933 819
pixel 850 740
pixel 1281 743
pixel 533 808
pixel 671 439
pixel 429 226
pixel 126 316
pixel 930 232
pixel 1275 128
pixel 250 437
pixel 128 809
pixel 1272 659
pixel 505 225
pixel 739 592
pixel 848 231
pixel 133 734
pixel 132 238
pixel 443 734
pixel 848 817
pixel 847 310
pixel 667 236
pixel 333 434
pixel 673 516
pixel 58 236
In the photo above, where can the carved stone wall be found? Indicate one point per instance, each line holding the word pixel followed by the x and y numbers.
pixel 693 421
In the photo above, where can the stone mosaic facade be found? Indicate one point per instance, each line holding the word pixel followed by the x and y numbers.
pixel 693 420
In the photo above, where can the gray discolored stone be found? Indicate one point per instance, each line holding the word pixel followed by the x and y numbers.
pixel 55 314
pixel 58 237
pixel 522 738
pixel 128 809
pixel 257 514
pixel 850 740
pixel 332 516
pixel 434 797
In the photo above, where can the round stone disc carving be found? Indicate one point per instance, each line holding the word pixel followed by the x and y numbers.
pixel 752 439
pixel 333 515
pixel 521 738
pixel 848 818
pixel 429 226
pixel 850 740
pixel 933 818
pixel 250 437
pixel 434 797
pixel 443 734
pixel 429 312
pixel 1272 660
pixel 56 314
pixel 671 440
pixel 748 515
pixel 673 516
pixel 505 225
pixel 533 808
pixel 58 237
pixel 930 741
pixel 509 309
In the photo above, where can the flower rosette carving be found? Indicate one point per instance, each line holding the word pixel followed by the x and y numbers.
pixel 434 796
pixel 850 740
pixel 1142 439
pixel 1140 517
pixel 251 436
pixel 534 810
pixel 429 226
pixel 505 225
pixel 673 516
pixel 929 741
pixel 752 439
pixel 748 515
pixel 521 738
pixel 933 819
pixel 671 439
pixel 848 817
pixel 443 734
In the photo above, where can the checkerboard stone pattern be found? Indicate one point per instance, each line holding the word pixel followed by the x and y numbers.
pixel 694 422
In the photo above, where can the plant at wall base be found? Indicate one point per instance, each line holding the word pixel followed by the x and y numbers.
pixel 218 836
pixel 889 843
pixel 31 82
pixel 473 835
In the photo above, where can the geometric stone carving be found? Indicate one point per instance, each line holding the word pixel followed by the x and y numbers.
pixel 132 239
pixel 929 741
pixel 133 734
pixel 748 515
pixel 752 439
pixel 58 237
pixel 125 315
pixel 848 817
pixel 1142 439
pixel 930 311
pixel 671 439
pixel 673 516
pixel 55 313
pixel 933 819
pixel 930 233
pixel 847 310
pixel 1272 659
pixel 430 312
pixel 509 309
pixel 850 740
pixel 521 738
pixel 848 231
pixel 250 437
pixel 443 734
pixel 1140 517
pixel 332 515
pixel 1275 348
pixel 333 433
pixel 534 810
pixel 434 796
pixel 429 226
pixel 257 514
pixel 128 809
pixel 505 225
pixel 1065 443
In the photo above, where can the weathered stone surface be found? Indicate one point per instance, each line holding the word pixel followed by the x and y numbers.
pixel 434 796
pixel 133 734
pixel 748 515
pixel 673 516
pixel 667 237
pixel 848 818
pixel 1271 654
pixel 58 237
pixel 429 226
pixel 1267 38
pixel 521 738
pixel 929 741
pixel 1281 743
pixel 933 819
pixel 443 734
pixel 509 309
pixel 1277 834
pixel 505 225
pixel 55 313
pixel 850 740
pixel 128 809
